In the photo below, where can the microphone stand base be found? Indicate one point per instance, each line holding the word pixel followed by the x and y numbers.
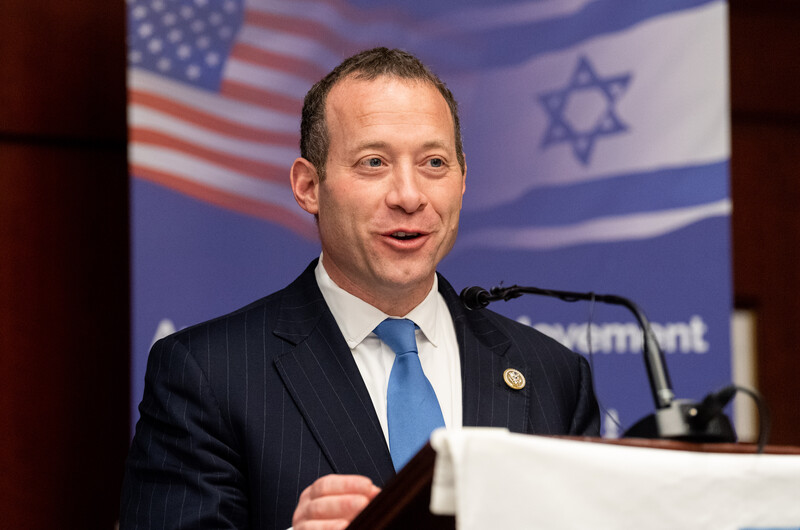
pixel 679 422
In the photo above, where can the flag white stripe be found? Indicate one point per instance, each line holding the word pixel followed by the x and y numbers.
pixel 486 18
pixel 601 230
pixel 145 118
pixel 202 172
pixel 354 24
pixel 675 106
pixel 321 12
pixel 266 79
pixel 463 20
pixel 357 27
pixel 211 103
pixel 296 46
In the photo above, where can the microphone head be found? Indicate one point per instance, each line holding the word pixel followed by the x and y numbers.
pixel 475 297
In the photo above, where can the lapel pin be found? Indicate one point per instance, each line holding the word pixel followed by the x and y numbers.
pixel 514 379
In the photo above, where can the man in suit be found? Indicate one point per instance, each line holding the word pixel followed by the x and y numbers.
pixel 286 411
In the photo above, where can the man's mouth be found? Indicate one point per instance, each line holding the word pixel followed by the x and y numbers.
pixel 404 236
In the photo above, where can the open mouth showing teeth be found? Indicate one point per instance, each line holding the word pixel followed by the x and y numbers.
pixel 403 236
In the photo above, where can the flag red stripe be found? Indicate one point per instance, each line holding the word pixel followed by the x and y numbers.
pixel 209 121
pixel 254 55
pixel 252 168
pixel 305 28
pixel 299 224
pixel 262 98
pixel 364 15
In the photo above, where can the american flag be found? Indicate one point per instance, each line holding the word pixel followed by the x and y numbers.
pixel 215 92
pixel 215 87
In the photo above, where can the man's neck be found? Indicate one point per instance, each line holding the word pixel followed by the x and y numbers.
pixel 395 301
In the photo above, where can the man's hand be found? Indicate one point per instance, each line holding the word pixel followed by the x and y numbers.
pixel 332 502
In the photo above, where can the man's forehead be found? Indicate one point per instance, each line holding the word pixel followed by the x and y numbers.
pixel 359 97
pixel 364 122
pixel 377 84
pixel 366 78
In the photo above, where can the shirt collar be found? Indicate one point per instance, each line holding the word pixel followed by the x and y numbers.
pixel 356 318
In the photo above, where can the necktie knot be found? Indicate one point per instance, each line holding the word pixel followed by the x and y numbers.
pixel 398 334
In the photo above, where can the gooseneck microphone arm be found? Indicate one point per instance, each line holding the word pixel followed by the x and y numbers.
pixel 677 419
pixel 477 297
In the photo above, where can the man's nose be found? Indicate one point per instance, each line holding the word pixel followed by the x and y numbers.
pixel 407 191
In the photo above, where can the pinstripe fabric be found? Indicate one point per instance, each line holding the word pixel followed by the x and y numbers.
pixel 241 413
pixel 558 397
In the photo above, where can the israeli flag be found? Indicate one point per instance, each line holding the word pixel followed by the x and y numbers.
pixel 621 135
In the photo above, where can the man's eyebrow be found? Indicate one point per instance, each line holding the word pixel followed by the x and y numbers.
pixel 431 144
pixel 435 144
pixel 371 145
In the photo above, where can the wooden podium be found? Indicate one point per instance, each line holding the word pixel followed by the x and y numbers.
pixel 404 502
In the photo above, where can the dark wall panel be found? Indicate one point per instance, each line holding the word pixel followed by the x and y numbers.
pixel 766 227
pixel 765 168
pixel 63 334
pixel 64 303
pixel 62 68
pixel 765 46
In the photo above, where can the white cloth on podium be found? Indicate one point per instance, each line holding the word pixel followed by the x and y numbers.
pixel 490 478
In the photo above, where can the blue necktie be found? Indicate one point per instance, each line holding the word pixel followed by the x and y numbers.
pixel 412 409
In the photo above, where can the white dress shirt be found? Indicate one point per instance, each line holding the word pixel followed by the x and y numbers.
pixel 436 342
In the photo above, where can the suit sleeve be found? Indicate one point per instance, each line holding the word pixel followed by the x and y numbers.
pixel 182 469
pixel 586 418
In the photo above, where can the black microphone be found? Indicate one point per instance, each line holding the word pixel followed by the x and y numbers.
pixel 711 406
pixel 475 297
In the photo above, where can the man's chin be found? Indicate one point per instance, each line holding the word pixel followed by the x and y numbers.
pixel 409 282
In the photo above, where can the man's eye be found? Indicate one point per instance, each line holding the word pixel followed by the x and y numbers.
pixel 436 162
pixel 373 162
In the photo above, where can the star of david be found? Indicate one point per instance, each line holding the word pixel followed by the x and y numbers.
pixel 607 123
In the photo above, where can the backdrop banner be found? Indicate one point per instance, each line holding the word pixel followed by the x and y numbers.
pixel 597 140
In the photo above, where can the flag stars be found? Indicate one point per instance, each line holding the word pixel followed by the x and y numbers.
pixel 139 12
pixel 145 30
pixel 584 110
pixel 187 40
pixel 169 19
pixel 155 46
pixel 174 35
pixel 193 72
pixel 184 51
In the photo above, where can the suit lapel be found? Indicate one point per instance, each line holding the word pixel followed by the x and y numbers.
pixel 320 374
pixel 486 352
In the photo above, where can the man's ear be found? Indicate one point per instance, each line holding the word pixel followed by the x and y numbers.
pixel 305 185
pixel 464 179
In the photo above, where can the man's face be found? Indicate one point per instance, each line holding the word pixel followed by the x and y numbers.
pixel 389 205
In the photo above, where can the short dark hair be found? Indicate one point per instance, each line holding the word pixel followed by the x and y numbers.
pixel 367 65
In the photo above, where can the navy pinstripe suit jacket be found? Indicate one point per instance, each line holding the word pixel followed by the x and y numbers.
pixel 241 413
